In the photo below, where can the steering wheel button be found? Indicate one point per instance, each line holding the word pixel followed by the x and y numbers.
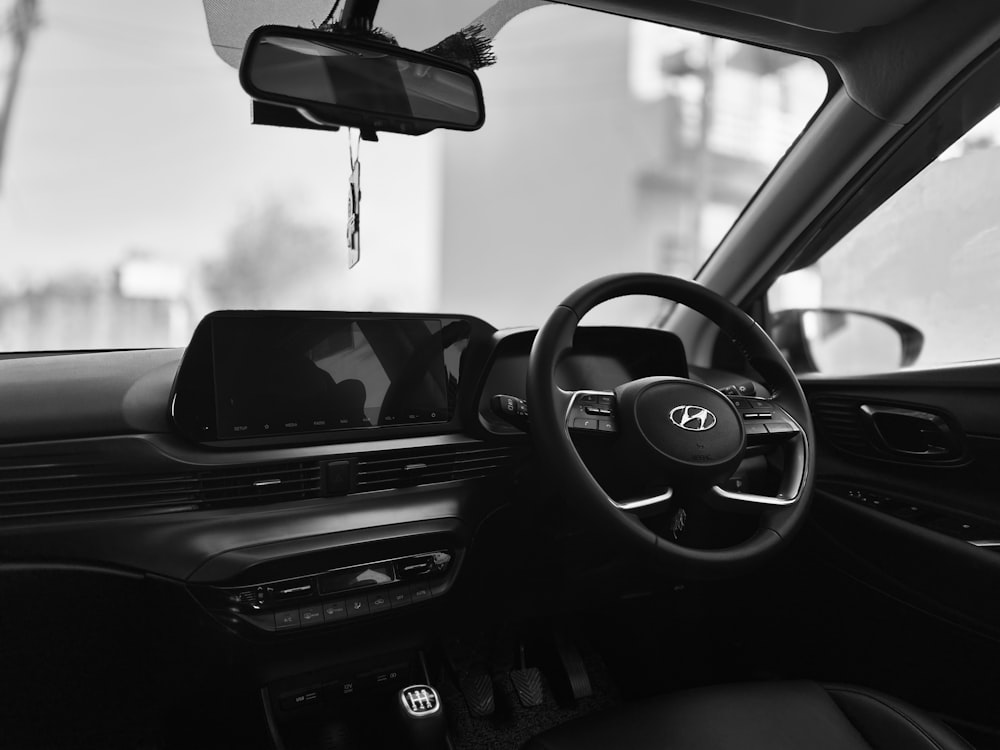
pixel 606 425
pixel 779 428
pixel 756 428
pixel 584 424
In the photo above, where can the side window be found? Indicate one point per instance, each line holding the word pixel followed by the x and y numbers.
pixel 915 283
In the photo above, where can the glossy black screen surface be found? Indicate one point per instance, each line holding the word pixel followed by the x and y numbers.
pixel 278 375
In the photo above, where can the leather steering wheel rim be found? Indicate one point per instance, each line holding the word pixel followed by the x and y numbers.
pixel 778 520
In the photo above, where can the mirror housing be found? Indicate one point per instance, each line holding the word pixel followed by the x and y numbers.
pixel 840 341
pixel 344 80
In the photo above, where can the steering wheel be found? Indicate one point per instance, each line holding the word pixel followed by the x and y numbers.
pixel 689 433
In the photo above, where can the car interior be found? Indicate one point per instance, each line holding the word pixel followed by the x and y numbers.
pixel 349 529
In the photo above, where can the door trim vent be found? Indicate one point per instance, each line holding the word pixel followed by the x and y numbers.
pixel 839 421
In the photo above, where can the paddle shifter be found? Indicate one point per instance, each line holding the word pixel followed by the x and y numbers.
pixel 423 717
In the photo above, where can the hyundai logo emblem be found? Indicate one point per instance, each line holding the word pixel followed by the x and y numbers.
pixel 694 418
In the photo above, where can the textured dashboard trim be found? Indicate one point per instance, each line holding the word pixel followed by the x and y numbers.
pixel 86 395
pixel 177 545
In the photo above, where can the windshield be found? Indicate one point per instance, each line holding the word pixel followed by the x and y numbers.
pixel 136 196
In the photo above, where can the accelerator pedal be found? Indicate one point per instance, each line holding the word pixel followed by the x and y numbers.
pixel 527 682
pixel 573 667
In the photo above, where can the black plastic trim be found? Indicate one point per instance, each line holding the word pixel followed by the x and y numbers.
pixel 301 556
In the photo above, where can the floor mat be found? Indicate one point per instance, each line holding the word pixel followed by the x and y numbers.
pixel 513 724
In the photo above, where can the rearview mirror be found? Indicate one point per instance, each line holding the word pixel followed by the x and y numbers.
pixel 343 80
pixel 843 342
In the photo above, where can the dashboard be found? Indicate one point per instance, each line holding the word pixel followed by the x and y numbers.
pixel 292 471
pixel 313 497
pixel 264 378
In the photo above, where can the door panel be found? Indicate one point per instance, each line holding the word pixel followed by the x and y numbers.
pixel 907 475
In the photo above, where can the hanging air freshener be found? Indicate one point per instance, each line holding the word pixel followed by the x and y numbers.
pixel 354 199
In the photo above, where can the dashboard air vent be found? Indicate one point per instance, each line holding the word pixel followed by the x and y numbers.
pixel 50 489
pixel 381 471
pixel 839 421
pixel 260 483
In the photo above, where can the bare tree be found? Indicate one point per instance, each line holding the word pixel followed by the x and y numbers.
pixel 275 259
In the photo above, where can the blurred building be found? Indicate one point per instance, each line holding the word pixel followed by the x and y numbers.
pixel 143 303
pixel 629 145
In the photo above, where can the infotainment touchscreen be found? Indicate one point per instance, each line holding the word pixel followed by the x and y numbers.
pixel 288 374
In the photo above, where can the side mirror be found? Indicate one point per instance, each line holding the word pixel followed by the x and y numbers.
pixel 342 80
pixel 843 342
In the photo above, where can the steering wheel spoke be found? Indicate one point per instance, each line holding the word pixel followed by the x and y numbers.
pixel 647 503
pixel 722 499
pixel 782 433
pixel 591 411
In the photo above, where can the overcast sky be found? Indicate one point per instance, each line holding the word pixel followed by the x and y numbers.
pixel 130 133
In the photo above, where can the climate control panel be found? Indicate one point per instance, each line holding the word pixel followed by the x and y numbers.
pixel 333 596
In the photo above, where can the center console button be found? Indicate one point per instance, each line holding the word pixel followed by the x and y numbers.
pixel 312 615
pixel 419 593
pixel 334 611
pixel 399 598
pixel 378 602
pixel 357 606
pixel 287 620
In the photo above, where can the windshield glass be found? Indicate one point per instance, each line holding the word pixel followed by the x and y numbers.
pixel 136 196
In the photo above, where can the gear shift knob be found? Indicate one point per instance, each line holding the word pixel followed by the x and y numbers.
pixel 423 716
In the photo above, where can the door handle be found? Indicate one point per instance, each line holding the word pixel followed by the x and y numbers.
pixel 912 433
